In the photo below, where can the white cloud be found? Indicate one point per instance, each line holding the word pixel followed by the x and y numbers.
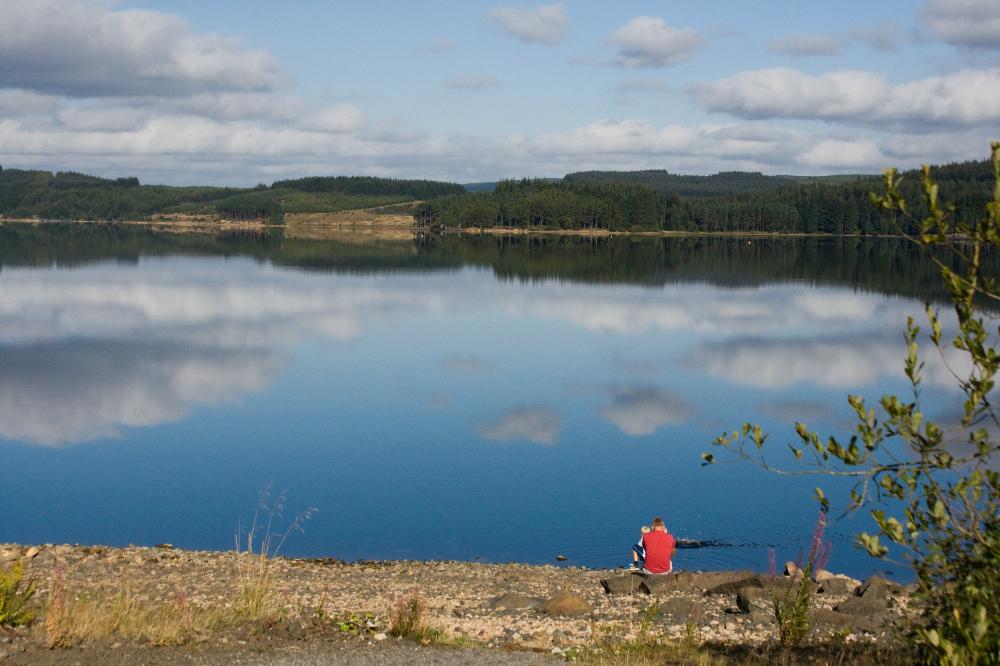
pixel 545 24
pixel 648 41
pixel 341 119
pixel 806 45
pixel 642 86
pixel 15 103
pixel 884 36
pixel 440 45
pixel 89 49
pixel 642 410
pixel 474 83
pixel 967 97
pixel 844 154
pixel 539 425
pixel 970 23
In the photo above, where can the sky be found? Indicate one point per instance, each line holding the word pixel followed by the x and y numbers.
pixel 235 93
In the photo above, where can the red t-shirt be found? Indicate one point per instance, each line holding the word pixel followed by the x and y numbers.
pixel 659 547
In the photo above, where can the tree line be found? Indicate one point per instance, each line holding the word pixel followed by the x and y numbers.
pixel 75 196
pixel 726 202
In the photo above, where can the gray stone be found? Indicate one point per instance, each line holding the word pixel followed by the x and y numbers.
pixel 514 601
pixel 627 584
pixel 877 587
pixel 677 609
pixel 567 603
pixel 862 606
pixel 834 619
pixel 743 602
pixel 838 585
pixel 657 583
pixel 760 616
pixel 736 585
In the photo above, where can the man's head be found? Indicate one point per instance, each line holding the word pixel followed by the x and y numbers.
pixel 658 524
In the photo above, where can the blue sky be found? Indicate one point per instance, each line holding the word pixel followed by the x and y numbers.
pixel 235 93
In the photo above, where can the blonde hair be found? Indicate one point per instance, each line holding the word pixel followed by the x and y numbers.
pixel 645 529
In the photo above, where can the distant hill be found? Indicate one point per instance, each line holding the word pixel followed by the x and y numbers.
pixel 75 196
pixel 736 201
pixel 726 183
pixel 480 187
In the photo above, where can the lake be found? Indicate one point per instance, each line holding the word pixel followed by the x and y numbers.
pixel 477 399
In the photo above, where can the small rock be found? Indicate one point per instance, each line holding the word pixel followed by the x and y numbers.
pixel 31 552
pixel 567 603
pixel 380 636
pixel 792 569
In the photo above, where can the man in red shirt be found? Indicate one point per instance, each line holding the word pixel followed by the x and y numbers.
pixel 660 546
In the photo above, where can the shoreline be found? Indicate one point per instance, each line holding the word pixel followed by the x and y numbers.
pixel 538 609
pixel 311 228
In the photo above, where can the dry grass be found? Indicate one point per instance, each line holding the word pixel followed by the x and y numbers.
pixel 645 652
pixel 96 616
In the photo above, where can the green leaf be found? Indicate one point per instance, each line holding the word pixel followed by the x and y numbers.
pixel 821 498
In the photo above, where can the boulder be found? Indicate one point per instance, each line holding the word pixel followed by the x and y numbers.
pixel 627 584
pixel 838 585
pixel 703 580
pixel 743 602
pixel 514 601
pixel 823 619
pixel 761 616
pixel 677 609
pixel 737 584
pixel 656 583
pixel 862 606
pixel 567 603
pixel 792 569
pixel 877 587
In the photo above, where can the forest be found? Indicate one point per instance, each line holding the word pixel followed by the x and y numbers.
pixel 652 200
pixel 725 202
pixel 75 196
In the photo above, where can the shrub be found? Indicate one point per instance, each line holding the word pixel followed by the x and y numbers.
pixel 937 485
pixel 791 611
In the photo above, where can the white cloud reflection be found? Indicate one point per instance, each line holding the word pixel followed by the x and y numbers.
pixel 188 332
pixel 539 425
pixel 642 410
pixel 78 391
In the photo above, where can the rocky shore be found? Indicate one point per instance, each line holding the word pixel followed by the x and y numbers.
pixel 532 612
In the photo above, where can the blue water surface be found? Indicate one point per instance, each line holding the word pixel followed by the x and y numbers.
pixel 442 414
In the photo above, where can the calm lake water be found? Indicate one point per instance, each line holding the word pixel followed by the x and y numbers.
pixel 494 399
